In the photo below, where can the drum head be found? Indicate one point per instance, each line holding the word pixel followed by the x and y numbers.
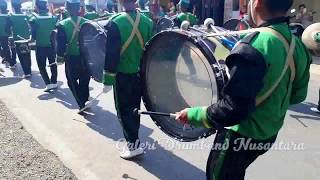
pixel 92 41
pixel 164 23
pixel 178 73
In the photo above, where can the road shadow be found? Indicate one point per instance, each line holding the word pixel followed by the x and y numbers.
pixel 159 161
pixel 62 96
pixel 14 78
pixel 36 81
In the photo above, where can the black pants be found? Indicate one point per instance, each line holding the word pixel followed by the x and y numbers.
pixel 230 157
pixel 127 96
pixel 78 79
pixel 24 58
pixel 5 50
pixel 42 53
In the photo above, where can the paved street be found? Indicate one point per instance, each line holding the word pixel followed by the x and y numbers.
pixel 88 145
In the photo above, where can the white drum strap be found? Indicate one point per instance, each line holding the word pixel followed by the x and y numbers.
pixel 289 63
pixel 75 31
pixel 135 32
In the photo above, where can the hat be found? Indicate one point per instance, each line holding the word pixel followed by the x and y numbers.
pixel 184 3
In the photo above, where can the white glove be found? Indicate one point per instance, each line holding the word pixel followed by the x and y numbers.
pixel 106 89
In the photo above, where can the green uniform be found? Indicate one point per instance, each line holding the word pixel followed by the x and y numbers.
pixel 146 13
pixel 44 24
pixel 91 15
pixel 130 59
pixel 20 26
pixel 256 64
pixel 187 17
pixel 268 118
pixel 68 27
pixel 122 68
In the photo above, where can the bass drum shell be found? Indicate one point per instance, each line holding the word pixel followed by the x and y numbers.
pixel 92 42
pixel 181 69
pixel 165 23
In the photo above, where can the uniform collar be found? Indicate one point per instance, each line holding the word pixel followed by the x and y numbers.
pixel 273 21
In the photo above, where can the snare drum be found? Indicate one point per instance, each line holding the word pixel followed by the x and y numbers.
pixel 23 46
pixel 182 69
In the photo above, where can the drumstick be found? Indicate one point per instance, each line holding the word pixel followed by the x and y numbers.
pixel 140 112
pixel 90 102
pixel 52 64
pixel 170 115
pixel 21 37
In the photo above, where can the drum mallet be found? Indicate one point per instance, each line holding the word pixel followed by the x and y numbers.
pixel 89 103
pixel 140 112
pixel 150 113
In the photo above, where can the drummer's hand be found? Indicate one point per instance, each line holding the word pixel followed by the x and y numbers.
pixel 182 116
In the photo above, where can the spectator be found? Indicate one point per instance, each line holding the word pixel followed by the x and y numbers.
pixel 304 16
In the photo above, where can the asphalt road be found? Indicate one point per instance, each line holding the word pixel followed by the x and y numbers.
pixel 89 145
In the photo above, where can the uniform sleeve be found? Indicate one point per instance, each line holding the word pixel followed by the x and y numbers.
pixel 300 86
pixel 113 49
pixel 61 41
pixel 247 70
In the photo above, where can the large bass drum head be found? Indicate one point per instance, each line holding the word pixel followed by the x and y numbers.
pixel 92 41
pixel 177 74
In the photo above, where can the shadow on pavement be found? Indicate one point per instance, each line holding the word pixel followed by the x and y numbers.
pixel 160 162
pixel 36 81
pixel 63 96
pixel 304 108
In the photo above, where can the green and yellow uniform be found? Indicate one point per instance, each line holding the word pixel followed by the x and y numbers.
pixel 187 17
pixel 123 57
pixel 256 63
pixel 42 25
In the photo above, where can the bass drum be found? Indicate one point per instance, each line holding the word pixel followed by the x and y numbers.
pixel 182 69
pixel 165 23
pixel 92 41
pixel 236 25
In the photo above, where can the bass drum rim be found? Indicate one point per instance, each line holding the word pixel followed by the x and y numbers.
pixel 202 46
pixel 169 18
pixel 99 26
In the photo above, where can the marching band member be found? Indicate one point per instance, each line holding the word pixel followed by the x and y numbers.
pixel 256 64
pixel 18 24
pixel 185 15
pixel 90 7
pixel 68 51
pixel 42 24
pixel 127 34
pixel 4 35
